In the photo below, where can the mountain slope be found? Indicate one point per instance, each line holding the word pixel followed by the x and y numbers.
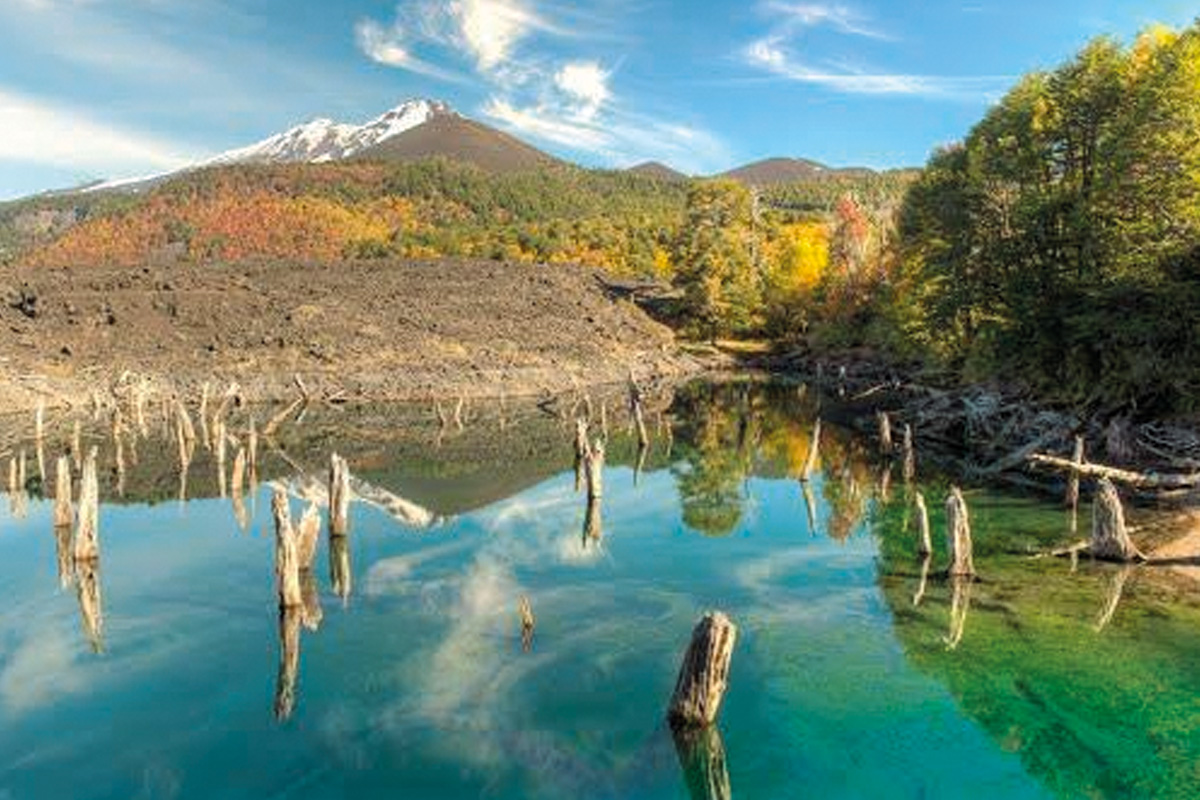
pixel 459 139
pixel 771 171
pixel 658 171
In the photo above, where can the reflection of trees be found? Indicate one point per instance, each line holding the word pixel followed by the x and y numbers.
pixel 728 432
pixel 720 434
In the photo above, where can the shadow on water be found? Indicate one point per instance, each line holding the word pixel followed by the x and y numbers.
pixel 1086 673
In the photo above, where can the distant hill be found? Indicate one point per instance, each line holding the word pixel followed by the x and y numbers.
pixel 658 171
pixel 775 171
pixel 459 139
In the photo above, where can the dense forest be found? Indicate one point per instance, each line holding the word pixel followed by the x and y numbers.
pixel 1057 247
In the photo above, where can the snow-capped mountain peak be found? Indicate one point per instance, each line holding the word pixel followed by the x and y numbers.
pixel 324 140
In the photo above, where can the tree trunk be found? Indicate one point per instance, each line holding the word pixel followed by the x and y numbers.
pixel 87 544
pixel 339 496
pixel 287 559
pixel 704 673
pixel 63 514
pixel 925 545
pixel 814 447
pixel 1073 480
pixel 885 434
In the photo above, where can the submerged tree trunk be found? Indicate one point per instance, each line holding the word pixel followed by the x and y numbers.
pixel 704 673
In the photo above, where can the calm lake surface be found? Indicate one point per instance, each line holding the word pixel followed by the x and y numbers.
pixel 168 672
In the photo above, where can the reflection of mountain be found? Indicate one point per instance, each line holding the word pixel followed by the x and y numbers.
pixel 1092 714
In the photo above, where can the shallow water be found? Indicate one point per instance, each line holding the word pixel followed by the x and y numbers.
pixel 416 683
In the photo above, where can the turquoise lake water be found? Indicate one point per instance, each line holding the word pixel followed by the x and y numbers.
pixel 416 683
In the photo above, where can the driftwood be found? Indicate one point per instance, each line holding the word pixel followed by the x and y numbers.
pixel 1110 538
pixel 339 496
pixel 704 673
pixel 925 542
pixel 287 559
pixel 274 422
pixel 64 516
pixel 958 534
pixel 87 544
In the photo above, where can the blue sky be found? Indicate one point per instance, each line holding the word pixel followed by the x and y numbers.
pixel 115 88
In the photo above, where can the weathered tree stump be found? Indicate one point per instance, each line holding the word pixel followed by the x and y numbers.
pixel 203 416
pixel 814 447
pixel 704 673
pixel 925 541
pixel 218 432
pixel 339 496
pixel 77 446
pixel 1110 539
pixel 593 530
pixel 1073 480
pixel 960 606
pixel 252 447
pixel 886 445
pixel 525 612
pixel 87 542
pixel 958 534
pixel 919 594
pixel 64 516
pixel 581 450
pixel 287 559
pixel 635 410
pixel 237 475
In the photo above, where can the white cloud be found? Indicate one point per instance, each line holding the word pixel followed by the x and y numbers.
pixel 386 46
pixel 587 83
pixel 32 131
pixel 491 29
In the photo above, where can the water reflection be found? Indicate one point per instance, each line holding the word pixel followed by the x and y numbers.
pixel 701 754
pixel 91 610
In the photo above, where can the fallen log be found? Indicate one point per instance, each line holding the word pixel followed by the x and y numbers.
pixel 1138 480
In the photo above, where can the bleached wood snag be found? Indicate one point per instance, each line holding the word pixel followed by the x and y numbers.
pixel 218 433
pixel 925 541
pixel 1110 538
pixel 339 496
pixel 958 534
pixel 289 661
pixel 203 414
pixel 704 673
pixel 91 607
pixel 960 606
pixel 77 446
pixel 63 515
pixel 237 475
pixel 252 444
pixel 910 457
pixel 814 447
pixel 639 418
pixel 87 543
pixel 885 433
pixel 581 450
pixel 287 559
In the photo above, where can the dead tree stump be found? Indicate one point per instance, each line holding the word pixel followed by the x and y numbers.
pixel 525 612
pixel 87 542
pixel 910 457
pixel 594 470
pixel 287 559
pixel 581 450
pixel 1110 539
pixel 885 434
pixel 1073 480
pixel 339 567
pixel 63 515
pixel 339 496
pixel 958 534
pixel 704 673
pixel 925 545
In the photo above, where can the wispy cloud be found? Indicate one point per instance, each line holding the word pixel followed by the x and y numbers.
pixel 793 17
pixel 775 54
pixel 34 131
pixel 386 46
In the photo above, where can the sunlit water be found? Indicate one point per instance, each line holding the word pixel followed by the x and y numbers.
pixel 417 683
